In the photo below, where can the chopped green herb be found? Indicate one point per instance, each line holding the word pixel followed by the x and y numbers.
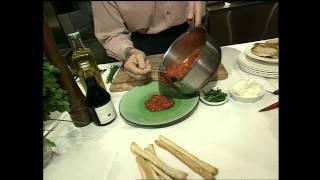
pixel 215 95
pixel 113 70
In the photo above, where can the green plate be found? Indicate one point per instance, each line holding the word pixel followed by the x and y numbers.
pixel 133 111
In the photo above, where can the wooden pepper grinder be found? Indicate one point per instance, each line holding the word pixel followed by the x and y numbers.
pixel 79 111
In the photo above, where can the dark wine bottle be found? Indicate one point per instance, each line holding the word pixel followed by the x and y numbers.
pixel 97 98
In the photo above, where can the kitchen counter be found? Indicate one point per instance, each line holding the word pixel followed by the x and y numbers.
pixel 237 139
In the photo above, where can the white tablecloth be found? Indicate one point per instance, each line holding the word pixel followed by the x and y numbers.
pixel 237 139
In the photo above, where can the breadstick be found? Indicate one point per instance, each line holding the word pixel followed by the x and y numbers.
pixel 154 174
pixel 183 174
pixel 151 148
pixel 157 162
pixel 186 160
pixel 160 172
pixel 142 172
pixel 144 168
pixel 205 165
pixel 170 168
pixel 149 163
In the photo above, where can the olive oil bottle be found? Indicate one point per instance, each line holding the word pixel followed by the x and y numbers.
pixel 80 54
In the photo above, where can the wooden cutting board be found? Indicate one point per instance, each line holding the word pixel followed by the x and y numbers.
pixel 122 81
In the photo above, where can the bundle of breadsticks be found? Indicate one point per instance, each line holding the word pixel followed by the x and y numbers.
pixel 151 167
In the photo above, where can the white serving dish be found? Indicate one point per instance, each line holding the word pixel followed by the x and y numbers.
pixel 250 99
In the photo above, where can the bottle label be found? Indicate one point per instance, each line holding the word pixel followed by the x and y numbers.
pixel 106 113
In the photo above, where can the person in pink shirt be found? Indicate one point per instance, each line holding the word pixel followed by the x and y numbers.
pixel 130 30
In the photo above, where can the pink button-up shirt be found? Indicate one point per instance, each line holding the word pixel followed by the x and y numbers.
pixel 114 20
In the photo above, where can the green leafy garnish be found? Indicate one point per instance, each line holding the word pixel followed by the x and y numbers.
pixel 215 95
pixel 54 97
pixel 113 70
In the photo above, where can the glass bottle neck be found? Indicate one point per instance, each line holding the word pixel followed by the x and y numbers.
pixel 87 73
pixel 77 44
pixel 90 79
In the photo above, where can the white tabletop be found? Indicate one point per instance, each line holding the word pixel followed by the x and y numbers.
pixel 237 139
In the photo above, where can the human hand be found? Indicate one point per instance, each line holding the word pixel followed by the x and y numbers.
pixel 136 64
pixel 195 11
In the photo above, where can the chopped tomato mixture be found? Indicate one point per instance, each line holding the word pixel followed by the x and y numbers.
pixel 177 71
pixel 158 103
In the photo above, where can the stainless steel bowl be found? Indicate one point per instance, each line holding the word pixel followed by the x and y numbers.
pixel 202 70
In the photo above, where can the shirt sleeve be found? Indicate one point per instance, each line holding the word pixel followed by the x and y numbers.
pixel 109 29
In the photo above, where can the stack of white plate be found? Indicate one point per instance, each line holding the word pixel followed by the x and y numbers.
pixel 259 66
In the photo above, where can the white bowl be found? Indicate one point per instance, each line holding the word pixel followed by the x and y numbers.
pixel 214 103
pixel 247 99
